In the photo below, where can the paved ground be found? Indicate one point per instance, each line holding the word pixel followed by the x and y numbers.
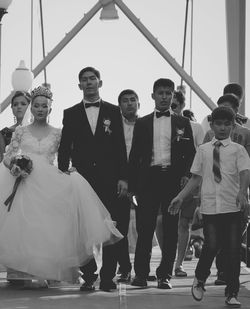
pixel 68 296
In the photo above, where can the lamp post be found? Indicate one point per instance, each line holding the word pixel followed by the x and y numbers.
pixel 22 78
pixel 4 4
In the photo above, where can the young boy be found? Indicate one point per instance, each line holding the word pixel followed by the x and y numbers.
pixel 223 167
pixel 241 135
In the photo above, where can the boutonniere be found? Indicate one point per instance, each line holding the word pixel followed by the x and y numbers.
pixel 179 134
pixel 106 125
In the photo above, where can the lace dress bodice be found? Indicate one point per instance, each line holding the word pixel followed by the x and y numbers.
pixel 23 142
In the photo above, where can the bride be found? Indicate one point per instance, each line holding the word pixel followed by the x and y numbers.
pixel 56 219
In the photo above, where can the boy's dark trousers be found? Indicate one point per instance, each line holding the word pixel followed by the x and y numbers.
pixel 221 255
pixel 222 231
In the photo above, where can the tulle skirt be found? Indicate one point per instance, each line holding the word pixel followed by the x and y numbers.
pixel 55 222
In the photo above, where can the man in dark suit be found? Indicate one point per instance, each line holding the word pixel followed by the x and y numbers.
pixel 92 139
pixel 161 155
pixel 129 104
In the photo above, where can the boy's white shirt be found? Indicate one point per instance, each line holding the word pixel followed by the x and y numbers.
pixel 220 197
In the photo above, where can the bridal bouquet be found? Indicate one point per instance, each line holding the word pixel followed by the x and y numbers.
pixel 20 167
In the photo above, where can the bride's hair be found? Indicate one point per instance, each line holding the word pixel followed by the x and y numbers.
pixel 41 91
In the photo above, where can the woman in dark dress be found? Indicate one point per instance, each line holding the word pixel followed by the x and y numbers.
pixel 19 104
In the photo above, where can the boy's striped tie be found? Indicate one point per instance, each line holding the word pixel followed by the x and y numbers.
pixel 216 162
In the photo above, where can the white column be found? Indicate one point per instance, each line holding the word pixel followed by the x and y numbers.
pixel 236 42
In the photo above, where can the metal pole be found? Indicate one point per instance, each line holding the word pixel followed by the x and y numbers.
pixel 43 45
pixel 164 53
pixel 0 57
pixel 2 12
pixel 184 39
pixel 31 34
pixel 56 50
pixel 191 48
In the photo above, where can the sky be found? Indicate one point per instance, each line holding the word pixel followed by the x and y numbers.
pixel 118 50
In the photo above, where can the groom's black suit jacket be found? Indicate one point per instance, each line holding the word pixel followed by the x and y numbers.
pixel 97 157
pixel 182 151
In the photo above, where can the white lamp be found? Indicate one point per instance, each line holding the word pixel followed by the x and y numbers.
pixel 22 77
pixel 109 11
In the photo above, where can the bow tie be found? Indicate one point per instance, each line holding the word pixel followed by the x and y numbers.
pixel 160 114
pixel 96 104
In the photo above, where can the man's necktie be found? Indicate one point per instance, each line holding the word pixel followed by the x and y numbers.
pixel 96 104
pixel 160 114
pixel 216 162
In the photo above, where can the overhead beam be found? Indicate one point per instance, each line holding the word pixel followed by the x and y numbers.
pixel 147 34
pixel 164 53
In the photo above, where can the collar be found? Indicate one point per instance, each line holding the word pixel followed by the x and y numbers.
pixel 86 101
pixel 170 110
pixel 127 122
pixel 224 142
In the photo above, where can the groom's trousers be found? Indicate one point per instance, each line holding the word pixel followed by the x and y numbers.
pixel 107 192
pixel 160 187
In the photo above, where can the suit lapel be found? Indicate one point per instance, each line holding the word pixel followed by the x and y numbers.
pixel 150 125
pixel 176 123
pixel 84 119
pixel 173 128
pixel 101 116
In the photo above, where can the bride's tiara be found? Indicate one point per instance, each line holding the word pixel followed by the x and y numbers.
pixel 41 91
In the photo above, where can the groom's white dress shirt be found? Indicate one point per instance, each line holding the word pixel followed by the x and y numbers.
pixel 161 141
pixel 128 129
pixel 92 114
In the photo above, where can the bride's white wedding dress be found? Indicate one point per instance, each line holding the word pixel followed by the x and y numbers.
pixel 55 220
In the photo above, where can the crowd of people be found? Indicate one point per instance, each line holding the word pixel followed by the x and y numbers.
pixel 110 181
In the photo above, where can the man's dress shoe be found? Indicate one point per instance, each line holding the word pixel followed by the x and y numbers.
pixel 124 278
pixel 107 285
pixel 87 286
pixel 138 281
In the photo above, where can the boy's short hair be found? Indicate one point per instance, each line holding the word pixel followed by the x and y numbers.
pixel 125 92
pixel 89 69
pixel 222 113
pixel 163 82
pixel 229 97
pixel 234 88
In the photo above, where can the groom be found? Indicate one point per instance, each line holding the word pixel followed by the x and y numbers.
pixel 92 139
pixel 161 155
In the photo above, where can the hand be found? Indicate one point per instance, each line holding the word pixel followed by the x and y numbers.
pixel 130 196
pixel 122 188
pixel 184 181
pixel 70 170
pixel 198 213
pixel 132 199
pixel 175 205
pixel 241 201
